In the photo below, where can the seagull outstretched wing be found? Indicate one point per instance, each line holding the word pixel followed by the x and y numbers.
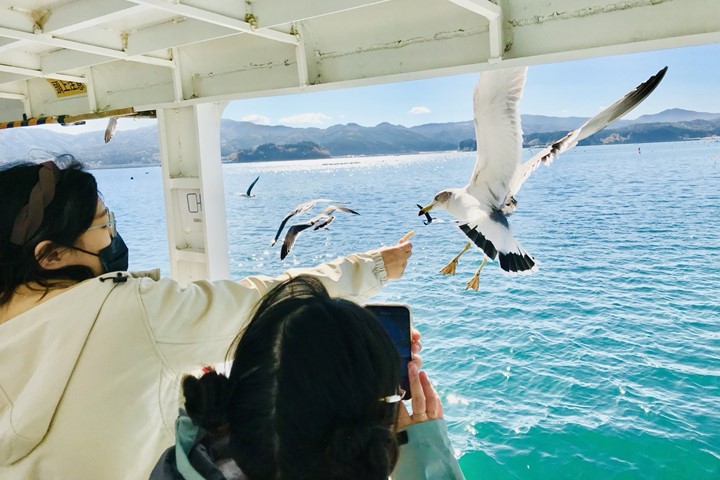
pixel 330 209
pixel 498 133
pixel 593 125
pixel 320 221
pixel 251 187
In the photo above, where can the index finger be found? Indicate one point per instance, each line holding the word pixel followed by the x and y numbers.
pixel 416 389
pixel 407 236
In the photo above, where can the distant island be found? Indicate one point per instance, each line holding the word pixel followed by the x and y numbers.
pixel 250 142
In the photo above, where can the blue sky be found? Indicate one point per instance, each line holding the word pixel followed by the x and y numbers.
pixel 577 88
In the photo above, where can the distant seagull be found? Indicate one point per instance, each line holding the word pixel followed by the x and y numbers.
pixel 428 219
pixel 110 129
pixel 248 194
pixel 317 222
pixel 482 206
pixel 302 208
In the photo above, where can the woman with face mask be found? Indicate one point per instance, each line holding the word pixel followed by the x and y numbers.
pixel 92 357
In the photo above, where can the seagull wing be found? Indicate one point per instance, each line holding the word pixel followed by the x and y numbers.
pixel 110 129
pixel 593 125
pixel 498 133
pixel 337 208
pixel 282 225
pixel 252 185
pixel 291 235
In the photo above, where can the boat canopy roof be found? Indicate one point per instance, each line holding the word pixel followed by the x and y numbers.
pixel 69 58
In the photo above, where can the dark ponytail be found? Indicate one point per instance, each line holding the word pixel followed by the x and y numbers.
pixel 206 399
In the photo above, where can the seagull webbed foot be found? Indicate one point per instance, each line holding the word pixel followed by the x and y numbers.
pixel 474 282
pixel 449 269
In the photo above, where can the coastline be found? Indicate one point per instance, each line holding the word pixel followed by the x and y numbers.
pixel 328 161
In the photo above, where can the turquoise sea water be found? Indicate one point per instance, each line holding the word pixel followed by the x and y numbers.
pixel 604 364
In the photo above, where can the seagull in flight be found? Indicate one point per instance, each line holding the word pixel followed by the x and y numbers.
pixel 482 206
pixel 110 129
pixel 317 222
pixel 302 208
pixel 248 194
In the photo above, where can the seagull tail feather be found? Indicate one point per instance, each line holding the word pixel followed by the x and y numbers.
pixel 517 262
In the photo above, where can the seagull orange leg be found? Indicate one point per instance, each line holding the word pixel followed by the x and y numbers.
pixel 474 282
pixel 449 269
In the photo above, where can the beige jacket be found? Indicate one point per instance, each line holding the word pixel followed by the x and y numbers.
pixel 89 379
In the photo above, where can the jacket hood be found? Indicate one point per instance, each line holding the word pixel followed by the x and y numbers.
pixel 48 342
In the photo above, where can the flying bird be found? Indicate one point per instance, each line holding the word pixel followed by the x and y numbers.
pixel 110 129
pixel 248 194
pixel 483 205
pixel 302 208
pixel 317 222
pixel 428 219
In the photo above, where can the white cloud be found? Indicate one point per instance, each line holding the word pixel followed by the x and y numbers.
pixel 256 118
pixel 309 117
pixel 419 110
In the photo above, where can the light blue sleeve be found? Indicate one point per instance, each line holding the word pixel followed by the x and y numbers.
pixel 428 455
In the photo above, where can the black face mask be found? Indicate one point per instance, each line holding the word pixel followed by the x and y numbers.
pixel 114 257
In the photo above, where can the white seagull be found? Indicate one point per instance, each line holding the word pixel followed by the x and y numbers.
pixel 482 206
pixel 110 129
pixel 302 208
pixel 319 221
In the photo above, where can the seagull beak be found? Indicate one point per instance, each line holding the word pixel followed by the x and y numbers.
pixel 424 210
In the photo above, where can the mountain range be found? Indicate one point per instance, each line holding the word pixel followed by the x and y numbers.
pixel 246 142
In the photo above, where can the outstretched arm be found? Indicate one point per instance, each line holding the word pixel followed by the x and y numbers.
pixel 194 325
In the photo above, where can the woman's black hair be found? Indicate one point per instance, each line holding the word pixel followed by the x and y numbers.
pixel 69 213
pixel 303 398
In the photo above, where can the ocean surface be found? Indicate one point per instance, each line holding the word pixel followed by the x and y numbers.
pixel 604 364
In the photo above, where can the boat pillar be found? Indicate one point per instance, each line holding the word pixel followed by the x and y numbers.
pixel 194 192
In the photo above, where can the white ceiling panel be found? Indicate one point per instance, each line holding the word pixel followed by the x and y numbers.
pixel 158 53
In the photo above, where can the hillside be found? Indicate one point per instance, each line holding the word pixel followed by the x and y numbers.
pixel 244 141
pixel 638 133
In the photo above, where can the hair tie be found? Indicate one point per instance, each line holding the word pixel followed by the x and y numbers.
pixel 31 215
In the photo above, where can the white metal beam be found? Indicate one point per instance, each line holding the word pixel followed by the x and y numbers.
pixel 217 19
pixel 13 96
pixel 82 47
pixel 272 14
pixel 38 74
pixel 83 14
pixel 177 77
pixel 194 192
pixel 493 13
pixel 90 85
pixel 64 60
pixel 8 44
pixel 301 57
pixel 178 32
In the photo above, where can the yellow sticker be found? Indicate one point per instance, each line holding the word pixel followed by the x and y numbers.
pixel 67 89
